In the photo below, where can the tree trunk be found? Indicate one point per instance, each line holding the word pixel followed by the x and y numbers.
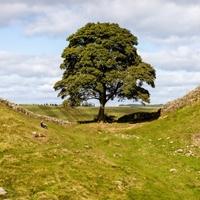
pixel 101 115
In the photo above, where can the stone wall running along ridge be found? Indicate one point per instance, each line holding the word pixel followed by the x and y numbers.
pixel 19 109
pixel 189 99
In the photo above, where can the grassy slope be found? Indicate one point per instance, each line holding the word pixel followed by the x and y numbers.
pixel 100 161
pixel 83 113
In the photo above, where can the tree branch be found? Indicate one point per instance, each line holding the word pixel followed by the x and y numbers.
pixel 114 92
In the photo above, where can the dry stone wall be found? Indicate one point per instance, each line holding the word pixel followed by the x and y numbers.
pixel 24 111
pixel 187 100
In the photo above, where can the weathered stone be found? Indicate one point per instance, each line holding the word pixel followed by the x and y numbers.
pixel 35 134
pixel 2 192
pixel 189 153
pixel 179 151
pixel 119 185
pixel 173 170
pixel 87 147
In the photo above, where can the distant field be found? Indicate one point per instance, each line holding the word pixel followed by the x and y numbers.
pixel 85 113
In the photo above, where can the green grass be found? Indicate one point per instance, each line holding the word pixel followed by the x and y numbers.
pixel 84 113
pixel 100 161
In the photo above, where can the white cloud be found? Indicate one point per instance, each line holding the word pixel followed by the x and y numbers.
pixel 26 78
pixel 182 58
pixel 150 18
pixel 171 26
pixel 160 18
pixel 25 90
pixel 29 65
pixel 166 94
pixel 174 79
pixel 56 21
pixel 10 13
pixel 173 84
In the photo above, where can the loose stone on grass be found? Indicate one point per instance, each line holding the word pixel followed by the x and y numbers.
pixel 35 134
pixel 119 185
pixel 173 170
pixel 117 155
pixel 179 151
pixel 189 153
pixel 87 146
pixel 2 192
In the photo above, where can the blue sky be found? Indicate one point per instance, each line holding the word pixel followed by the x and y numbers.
pixel 13 39
pixel 33 35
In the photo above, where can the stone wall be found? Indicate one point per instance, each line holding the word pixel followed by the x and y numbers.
pixel 24 111
pixel 187 100
pixel 140 117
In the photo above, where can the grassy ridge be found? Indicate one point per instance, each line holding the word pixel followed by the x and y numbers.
pixel 100 161
pixel 84 113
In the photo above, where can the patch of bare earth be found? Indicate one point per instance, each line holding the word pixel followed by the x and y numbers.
pixel 196 139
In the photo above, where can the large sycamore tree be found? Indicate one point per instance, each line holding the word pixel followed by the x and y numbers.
pixel 101 62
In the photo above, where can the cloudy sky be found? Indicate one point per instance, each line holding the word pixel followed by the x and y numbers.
pixel 33 34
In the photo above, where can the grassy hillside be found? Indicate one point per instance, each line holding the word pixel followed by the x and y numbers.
pixel 100 161
pixel 84 113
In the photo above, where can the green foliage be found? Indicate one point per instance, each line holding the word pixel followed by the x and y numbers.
pixel 101 62
pixel 70 103
pixel 65 104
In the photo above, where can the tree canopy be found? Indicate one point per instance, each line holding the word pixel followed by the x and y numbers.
pixel 101 62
